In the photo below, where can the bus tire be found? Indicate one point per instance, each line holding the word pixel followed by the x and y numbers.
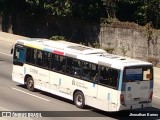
pixel 79 100
pixel 30 84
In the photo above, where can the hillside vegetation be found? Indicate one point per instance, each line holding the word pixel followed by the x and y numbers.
pixel 137 11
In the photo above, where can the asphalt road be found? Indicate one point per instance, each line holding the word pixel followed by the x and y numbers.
pixel 14 97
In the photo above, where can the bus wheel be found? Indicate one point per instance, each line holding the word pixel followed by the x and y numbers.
pixel 30 84
pixel 79 100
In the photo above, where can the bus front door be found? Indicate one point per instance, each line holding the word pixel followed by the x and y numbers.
pixel 18 61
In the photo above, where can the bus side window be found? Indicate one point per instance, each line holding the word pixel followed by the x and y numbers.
pixel 54 63
pixel 103 76
pixel 34 56
pixel 112 77
pixel 58 63
pixel 77 68
pixel 86 70
pixel 39 58
pixel 46 59
pixel 94 73
pixel 61 66
pixel 115 78
pixel 69 66
pixel 28 55
pixel 31 55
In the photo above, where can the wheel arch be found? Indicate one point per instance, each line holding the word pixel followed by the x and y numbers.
pixel 76 90
pixel 25 78
pixel 79 98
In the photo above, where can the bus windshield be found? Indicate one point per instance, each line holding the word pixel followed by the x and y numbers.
pixel 139 73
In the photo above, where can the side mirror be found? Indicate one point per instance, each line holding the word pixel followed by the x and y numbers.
pixel 12 51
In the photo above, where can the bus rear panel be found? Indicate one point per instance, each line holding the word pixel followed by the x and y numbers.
pixel 137 87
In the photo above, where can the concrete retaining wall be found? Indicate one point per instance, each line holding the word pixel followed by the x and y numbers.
pixel 135 41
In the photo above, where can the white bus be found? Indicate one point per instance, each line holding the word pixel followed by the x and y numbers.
pixel 85 75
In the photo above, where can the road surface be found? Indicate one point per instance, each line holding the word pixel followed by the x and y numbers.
pixel 15 97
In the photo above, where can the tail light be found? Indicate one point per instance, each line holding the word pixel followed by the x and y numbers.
pixel 122 101
pixel 150 97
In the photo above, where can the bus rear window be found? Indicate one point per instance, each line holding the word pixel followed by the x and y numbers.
pixel 132 74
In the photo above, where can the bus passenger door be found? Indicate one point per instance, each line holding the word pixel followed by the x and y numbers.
pixel 93 90
pixel 43 62
pixel 107 89
pixel 54 82
pixel 18 61
pixel 90 74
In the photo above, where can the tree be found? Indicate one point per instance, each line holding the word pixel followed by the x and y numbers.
pixel 83 9
pixel 138 11
pixel 87 9
pixel 145 11
pixel 8 10
pixel 153 11
pixel 51 7
pixel 111 6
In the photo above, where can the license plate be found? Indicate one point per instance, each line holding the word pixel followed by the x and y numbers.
pixel 136 99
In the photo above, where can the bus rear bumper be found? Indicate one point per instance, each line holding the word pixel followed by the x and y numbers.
pixel 134 106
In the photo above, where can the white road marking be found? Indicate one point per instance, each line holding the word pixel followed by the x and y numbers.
pixel 156 96
pixel 31 94
pixel 6 54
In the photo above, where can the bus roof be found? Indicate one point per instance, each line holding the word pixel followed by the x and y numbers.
pixel 82 52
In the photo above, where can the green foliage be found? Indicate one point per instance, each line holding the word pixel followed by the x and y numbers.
pixel 96 45
pixel 87 9
pixel 57 38
pixel 81 43
pixel 76 8
pixel 145 11
pixel 52 7
pixel 108 20
pixel 109 50
pixel 131 1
